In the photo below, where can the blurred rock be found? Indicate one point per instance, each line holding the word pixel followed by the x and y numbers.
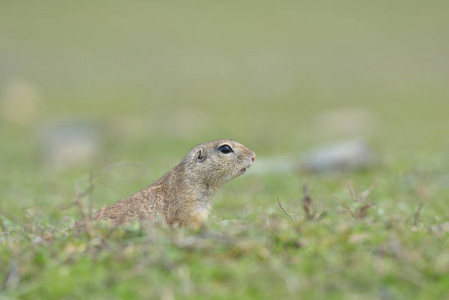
pixel 19 102
pixel 345 121
pixel 345 156
pixel 67 144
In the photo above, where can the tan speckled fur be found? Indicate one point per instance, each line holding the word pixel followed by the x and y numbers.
pixel 183 196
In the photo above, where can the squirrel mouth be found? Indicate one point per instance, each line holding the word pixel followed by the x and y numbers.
pixel 244 169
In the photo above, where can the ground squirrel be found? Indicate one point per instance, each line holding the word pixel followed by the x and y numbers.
pixel 182 197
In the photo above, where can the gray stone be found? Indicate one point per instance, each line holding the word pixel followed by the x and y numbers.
pixel 65 144
pixel 345 156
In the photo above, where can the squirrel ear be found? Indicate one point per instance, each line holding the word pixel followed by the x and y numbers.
pixel 200 155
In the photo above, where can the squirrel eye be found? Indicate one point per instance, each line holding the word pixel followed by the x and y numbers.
pixel 225 149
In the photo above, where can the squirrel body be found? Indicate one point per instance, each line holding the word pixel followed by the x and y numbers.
pixel 183 196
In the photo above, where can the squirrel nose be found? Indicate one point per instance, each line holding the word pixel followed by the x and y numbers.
pixel 254 157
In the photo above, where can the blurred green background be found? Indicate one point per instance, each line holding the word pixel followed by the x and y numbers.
pixel 149 80
pixel 123 90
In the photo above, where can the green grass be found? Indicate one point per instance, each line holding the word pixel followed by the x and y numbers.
pixel 391 253
pixel 154 80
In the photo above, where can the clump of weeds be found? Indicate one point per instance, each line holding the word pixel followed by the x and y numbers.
pixel 359 207
pixel 311 213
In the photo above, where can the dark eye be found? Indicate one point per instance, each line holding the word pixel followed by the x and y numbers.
pixel 225 149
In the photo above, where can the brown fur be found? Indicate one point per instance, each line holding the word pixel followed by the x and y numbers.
pixel 183 196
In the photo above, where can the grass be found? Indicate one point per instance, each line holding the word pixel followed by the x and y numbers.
pixel 261 253
pixel 154 80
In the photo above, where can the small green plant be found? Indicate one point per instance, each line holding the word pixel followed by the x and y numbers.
pixel 359 207
pixel 309 209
